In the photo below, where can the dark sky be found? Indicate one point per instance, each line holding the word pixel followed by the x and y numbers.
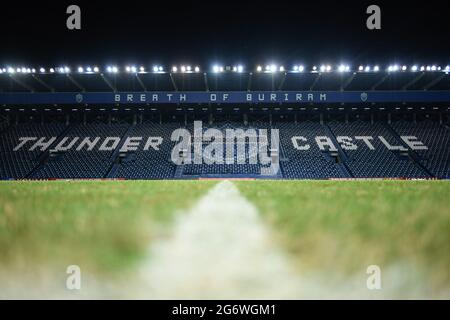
pixel 206 32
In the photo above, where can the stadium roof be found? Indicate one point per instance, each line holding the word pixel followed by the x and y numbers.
pixel 269 77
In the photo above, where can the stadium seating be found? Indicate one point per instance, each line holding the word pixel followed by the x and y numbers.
pixel 378 163
pixel 82 164
pixel 156 163
pixel 236 168
pixel 151 164
pixel 19 164
pixel 310 164
pixel 436 137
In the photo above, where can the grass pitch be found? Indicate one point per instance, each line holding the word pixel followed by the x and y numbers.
pixel 332 228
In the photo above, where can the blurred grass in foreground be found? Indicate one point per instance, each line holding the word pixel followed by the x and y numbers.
pixel 334 227
pixel 345 226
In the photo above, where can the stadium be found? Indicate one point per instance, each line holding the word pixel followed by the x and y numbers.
pixel 232 239
pixel 221 151
pixel 333 122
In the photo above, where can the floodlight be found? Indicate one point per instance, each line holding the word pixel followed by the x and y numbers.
pixel 197 69
pixel 11 70
pixel 240 68
pixel 80 69
pixel 96 69
pixel 52 70
pixel 361 68
pixel 88 69
pixel 258 68
pixel 323 68
pixel 404 68
pixel 367 69
pixel 281 69
pixel 414 68
pixel 216 69
pixel 273 68
pixel 155 69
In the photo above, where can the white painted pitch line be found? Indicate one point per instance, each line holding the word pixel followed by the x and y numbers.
pixel 219 249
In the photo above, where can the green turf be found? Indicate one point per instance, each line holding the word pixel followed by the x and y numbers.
pixel 105 225
pixel 347 225
pixel 108 225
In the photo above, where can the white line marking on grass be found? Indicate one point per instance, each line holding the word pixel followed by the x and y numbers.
pixel 219 249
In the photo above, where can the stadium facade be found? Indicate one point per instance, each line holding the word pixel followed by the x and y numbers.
pixel 323 123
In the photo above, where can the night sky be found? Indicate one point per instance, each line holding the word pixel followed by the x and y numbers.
pixel 226 32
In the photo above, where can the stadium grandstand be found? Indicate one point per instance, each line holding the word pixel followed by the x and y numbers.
pixel 334 122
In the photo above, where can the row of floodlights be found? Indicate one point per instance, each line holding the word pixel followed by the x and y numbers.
pixel 272 68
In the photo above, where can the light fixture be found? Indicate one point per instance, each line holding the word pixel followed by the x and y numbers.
pixel 80 69
pixel 258 68
pixel 174 69
pixel 343 68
